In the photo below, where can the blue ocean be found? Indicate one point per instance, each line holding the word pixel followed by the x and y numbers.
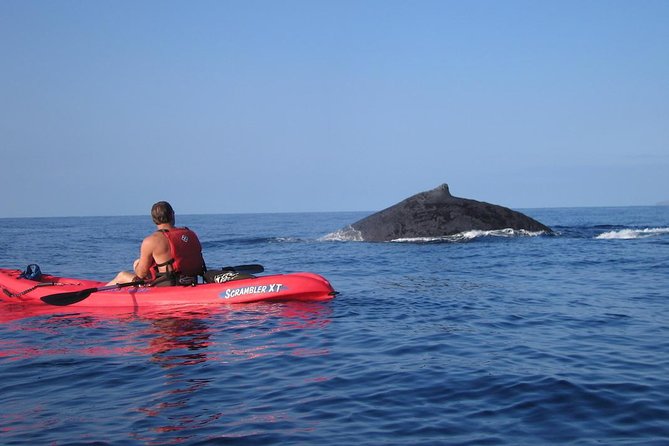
pixel 493 338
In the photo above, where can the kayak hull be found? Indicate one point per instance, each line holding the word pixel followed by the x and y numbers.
pixel 304 287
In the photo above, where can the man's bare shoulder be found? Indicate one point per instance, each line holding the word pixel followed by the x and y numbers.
pixel 153 238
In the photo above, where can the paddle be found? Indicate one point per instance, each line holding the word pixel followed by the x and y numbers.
pixel 72 297
pixel 247 269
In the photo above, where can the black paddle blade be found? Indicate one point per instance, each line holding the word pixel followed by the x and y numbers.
pixel 246 269
pixel 72 297
pixel 63 299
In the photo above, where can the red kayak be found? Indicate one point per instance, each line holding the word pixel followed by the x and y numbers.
pixel 61 291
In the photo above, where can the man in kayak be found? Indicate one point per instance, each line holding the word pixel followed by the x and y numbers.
pixel 169 256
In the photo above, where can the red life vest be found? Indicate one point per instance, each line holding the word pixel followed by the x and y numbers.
pixel 186 254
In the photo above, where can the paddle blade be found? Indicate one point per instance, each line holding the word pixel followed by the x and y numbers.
pixel 246 269
pixel 63 299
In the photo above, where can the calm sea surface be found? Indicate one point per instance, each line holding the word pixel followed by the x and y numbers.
pixel 492 340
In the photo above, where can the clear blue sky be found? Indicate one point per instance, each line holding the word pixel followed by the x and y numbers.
pixel 280 106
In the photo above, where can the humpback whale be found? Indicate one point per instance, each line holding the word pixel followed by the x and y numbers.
pixel 436 213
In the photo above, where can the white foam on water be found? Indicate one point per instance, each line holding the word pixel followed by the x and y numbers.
pixel 471 235
pixel 347 234
pixel 631 234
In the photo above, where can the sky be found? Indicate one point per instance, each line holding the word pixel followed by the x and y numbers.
pixel 300 106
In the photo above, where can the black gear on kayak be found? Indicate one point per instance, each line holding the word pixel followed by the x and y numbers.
pixel 222 276
pixel 32 272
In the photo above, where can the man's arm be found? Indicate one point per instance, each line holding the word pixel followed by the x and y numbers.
pixel 142 269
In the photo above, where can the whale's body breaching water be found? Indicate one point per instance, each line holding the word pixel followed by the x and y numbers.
pixel 437 214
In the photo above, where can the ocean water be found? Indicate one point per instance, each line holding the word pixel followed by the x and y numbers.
pixel 486 339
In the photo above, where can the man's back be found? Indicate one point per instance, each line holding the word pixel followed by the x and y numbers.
pixel 159 247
